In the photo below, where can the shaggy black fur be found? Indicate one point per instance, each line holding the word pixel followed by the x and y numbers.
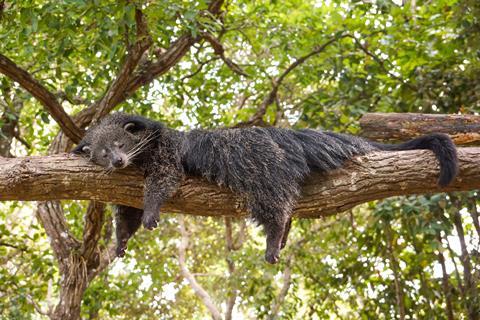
pixel 265 166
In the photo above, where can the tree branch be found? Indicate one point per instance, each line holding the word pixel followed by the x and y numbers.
pixel 270 97
pixel 106 256
pixel 366 178
pixel 94 219
pixel 197 288
pixel 52 217
pixel 463 129
pixel 48 99
pixel 117 90
pixel 75 100
pixel 380 62
pixel 220 51
pixel 280 297
pixel 199 69
pixel 232 243
pixel 145 73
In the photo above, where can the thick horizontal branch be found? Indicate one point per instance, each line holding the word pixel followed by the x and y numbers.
pixel 463 129
pixel 46 98
pixel 374 176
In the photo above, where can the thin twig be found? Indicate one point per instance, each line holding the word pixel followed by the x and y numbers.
pixel 197 288
pixel 75 100
pixel 380 62
pixel 198 70
pixel 280 298
pixel 220 51
pixel 14 246
pixel 270 97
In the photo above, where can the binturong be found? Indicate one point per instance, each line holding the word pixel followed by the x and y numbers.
pixel 265 167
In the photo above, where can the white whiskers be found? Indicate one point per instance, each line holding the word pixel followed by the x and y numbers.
pixel 140 145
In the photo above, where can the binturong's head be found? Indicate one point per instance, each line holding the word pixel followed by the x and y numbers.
pixel 118 140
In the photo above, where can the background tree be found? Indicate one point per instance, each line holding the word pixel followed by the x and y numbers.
pixel 214 63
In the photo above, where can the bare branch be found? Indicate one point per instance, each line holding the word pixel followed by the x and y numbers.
pixel 36 306
pixel 241 235
pixel 9 119
pixel 48 99
pixel 197 288
pixel 32 302
pixel 380 62
pixel 231 245
pixel 199 69
pixel 106 256
pixel 75 100
pixel 14 246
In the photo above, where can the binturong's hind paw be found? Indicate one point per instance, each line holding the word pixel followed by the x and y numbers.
pixel 272 257
pixel 149 222
pixel 120 250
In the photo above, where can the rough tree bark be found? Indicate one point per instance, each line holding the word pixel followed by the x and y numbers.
pixel 374 176
pixel 463 129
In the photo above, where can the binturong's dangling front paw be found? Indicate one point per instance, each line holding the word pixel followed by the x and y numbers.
pixel 120 250
pixel 149 221
pixel 272 255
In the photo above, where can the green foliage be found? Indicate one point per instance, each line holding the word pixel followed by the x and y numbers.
pixel 423 59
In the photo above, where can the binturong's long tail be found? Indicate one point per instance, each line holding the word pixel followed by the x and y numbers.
pixel 441 145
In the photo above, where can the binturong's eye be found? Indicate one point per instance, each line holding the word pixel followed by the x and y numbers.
pixel 82 149
pixel 130 127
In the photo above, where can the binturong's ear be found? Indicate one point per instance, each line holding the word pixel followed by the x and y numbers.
pixel 136 124
pixel 82 149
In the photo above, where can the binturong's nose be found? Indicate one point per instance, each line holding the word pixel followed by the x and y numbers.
pixel 117 162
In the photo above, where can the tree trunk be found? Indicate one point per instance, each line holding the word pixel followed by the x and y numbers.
pixel 72 287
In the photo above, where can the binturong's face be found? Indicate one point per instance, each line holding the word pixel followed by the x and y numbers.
pixel 115 144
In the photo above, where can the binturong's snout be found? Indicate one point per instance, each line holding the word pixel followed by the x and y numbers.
pixel 118 161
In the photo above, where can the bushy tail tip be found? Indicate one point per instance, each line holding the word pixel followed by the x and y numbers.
pixel 443 148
